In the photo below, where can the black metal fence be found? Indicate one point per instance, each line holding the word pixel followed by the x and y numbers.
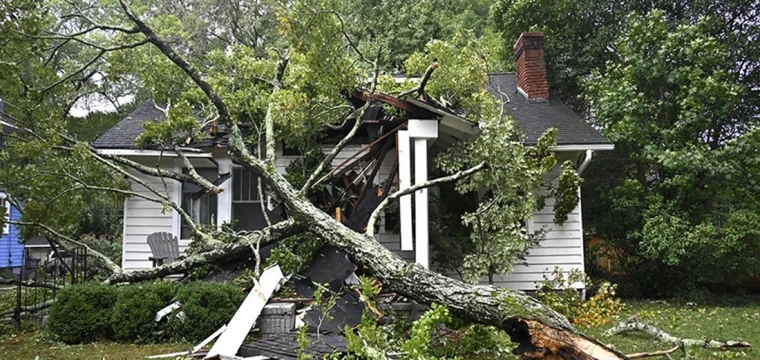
pixel 40 279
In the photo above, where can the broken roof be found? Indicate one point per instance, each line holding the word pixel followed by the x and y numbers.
pixel 285 346
pixel 533 118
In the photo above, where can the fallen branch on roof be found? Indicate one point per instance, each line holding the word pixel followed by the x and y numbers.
pixel 420 89
pixel 633 325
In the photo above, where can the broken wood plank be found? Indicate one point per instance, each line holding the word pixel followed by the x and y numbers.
pixel 375 169
pixel 170 355
pixel 209 339
pixel 233 336
pixel 167 310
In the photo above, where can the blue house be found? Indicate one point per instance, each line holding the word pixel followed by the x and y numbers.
pixel 11 245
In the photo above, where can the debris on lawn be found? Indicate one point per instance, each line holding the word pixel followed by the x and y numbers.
pixel 238 328
pixel 167 310
pixel 275 317
pixel 633 324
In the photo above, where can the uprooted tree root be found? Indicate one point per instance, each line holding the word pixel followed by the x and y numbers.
pixel 634 325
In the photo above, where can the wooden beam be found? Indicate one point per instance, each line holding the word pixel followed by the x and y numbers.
pixel 411 109
pixel 376 169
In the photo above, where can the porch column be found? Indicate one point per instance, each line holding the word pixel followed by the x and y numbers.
pixel 224 198
pixel 404 181
pixel 421 131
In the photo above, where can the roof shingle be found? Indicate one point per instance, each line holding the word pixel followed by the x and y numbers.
pixel 534 118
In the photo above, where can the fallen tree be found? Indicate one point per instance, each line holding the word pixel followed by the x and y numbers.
pixel 541 332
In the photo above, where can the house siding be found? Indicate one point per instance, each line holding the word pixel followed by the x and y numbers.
pixel 561 247
pixel 142 218
pixel 11 247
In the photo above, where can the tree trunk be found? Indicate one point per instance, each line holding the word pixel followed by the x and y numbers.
pixel 541 332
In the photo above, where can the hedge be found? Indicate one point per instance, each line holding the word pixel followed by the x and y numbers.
pixel 90 312
pixel 133 318
pixel 205 308
pixel 82 313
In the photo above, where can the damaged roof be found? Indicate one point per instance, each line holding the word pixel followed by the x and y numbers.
pixel 534 118
pixel 285 346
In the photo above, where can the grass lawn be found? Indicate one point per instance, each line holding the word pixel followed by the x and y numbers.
pixel 33 344
pixel 732 319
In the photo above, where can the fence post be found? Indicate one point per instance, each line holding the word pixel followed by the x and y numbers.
pixel 84 268
pixel 18 299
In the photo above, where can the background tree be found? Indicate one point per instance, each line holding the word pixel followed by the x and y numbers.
pixel 676 99
pixel 685 178
pixel 408 26
pixel 581 35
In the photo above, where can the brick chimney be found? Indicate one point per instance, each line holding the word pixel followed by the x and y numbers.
pixel 530 66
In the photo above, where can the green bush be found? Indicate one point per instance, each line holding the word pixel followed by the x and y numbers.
pixel 205 308
pixel 133 318
pixel 82 313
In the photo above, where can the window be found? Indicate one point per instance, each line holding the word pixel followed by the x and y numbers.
pixel 7 206
pixel 246 205
pixel 198 203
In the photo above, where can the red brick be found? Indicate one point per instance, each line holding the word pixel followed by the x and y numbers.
pixel 530 65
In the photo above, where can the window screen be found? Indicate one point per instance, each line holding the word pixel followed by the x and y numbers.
pixel 246 205
pixel 203 208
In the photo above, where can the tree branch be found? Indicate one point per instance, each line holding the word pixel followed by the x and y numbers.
pixel 194 75
pixel 237 145
pixel 31 284
pixel 221 253
pixel 358 114
pixel 423 82
pixel 653 353
pixel 167 200
pixel 65 239
pixel 155 172
pixel 634 325
pixel 100 54
pixel 441 180
pixel 269 117
pixel 33 308
pixel 213 189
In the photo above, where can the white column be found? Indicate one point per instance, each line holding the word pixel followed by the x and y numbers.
pixel 177 199
pixel 421 203
pixel 405 181
pixel 224 198
pixel 421 131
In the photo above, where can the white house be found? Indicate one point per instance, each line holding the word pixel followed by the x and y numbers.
pixel 526 98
